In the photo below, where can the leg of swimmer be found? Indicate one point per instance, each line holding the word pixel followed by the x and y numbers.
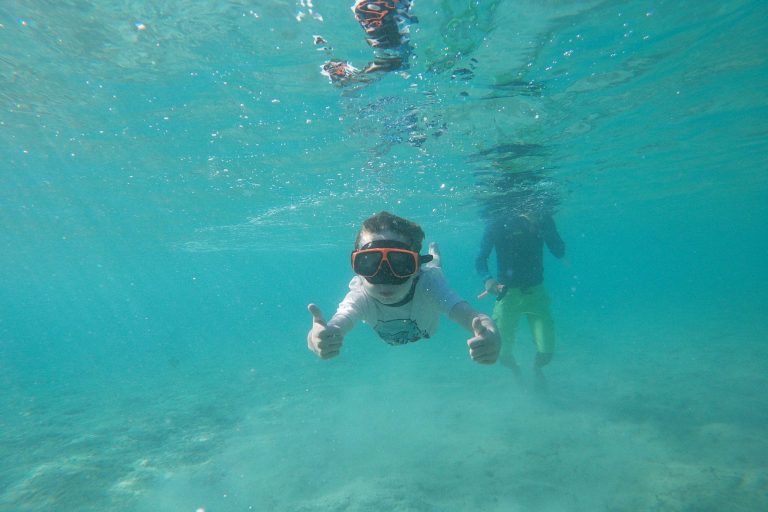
pixel 542 326
pixel 543 331
pixel 506 321
pixel 542 359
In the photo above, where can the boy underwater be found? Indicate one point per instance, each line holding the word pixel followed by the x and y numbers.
pixel 400 294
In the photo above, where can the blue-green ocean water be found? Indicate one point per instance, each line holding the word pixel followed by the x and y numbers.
pixel 178 181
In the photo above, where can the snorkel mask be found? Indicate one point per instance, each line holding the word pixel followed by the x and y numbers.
pixel 387 262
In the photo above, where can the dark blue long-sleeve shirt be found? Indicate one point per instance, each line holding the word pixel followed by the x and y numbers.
pixel 519 249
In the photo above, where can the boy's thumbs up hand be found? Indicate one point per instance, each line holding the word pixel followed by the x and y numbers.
pixel 322 339
pixel 317 315
pixel 485 345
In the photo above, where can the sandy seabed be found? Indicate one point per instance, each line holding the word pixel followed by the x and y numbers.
pixel 673 430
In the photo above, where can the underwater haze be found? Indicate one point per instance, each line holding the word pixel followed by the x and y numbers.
pixel 178 181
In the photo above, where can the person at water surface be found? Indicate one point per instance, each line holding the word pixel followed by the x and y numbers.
pixel 386 24
pixel 400 294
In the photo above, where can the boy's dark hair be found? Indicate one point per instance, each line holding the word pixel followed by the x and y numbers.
pixel 385 221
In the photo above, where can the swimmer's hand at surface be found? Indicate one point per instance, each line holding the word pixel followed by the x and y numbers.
pixel 323 339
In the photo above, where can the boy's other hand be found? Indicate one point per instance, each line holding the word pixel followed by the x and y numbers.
pixel 323 339
pixel 484 347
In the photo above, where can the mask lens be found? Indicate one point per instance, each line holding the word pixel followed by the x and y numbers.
pixel 367 263
pixel 403 264
pixel 385 276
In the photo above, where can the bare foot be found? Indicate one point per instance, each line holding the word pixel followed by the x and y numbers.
pixel 434 250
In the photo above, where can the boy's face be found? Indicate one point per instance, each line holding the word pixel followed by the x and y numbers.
pixel 386 293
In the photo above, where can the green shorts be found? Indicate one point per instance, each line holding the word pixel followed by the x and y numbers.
pixel 533 302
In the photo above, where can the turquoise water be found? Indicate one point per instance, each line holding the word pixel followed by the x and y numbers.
pixel 178 181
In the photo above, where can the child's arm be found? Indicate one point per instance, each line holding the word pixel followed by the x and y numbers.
pixel 484 346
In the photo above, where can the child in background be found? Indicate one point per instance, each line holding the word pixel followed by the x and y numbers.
pixel 519 238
